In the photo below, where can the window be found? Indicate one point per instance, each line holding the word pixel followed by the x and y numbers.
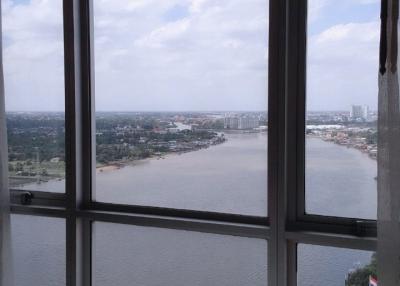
pixel 39 258
pixel 34 84
pixel 342 99
pixel 178 257
pixel 181 104
pixel 168 106
pixel 339 266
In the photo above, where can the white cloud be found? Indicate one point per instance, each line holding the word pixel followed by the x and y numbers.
pixel 122 7
pixel 147 55
pixel 197 5
pixel 210 55
pixel 343 66
pixel 33 55
pixel 170 31
pixel 356 32
pixel 315 7
pixel 213 57
pixel 366 2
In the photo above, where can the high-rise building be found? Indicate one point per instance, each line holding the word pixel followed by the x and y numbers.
pixel 248 123
pixel 359 112
pixel 242 122
pixel 231 122
pixel 356 111
pixel 366 112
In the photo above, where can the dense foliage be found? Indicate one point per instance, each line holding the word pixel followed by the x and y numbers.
pixel 29 135
pixel 360 277
pixel 119 137
pixel 130 145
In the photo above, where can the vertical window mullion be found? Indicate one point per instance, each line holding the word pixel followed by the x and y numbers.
pixel 89 131
pixel 78 129
pixel 292 263
pixel 295 125
pixel 88 99
pixel 276 149
pixel 296 108
pixel 286 133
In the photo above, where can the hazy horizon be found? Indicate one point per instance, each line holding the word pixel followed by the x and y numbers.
pixel 169 111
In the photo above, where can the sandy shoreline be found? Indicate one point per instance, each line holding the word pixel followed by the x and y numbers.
pixel 107 168
pixel 119 165
pixel 113 166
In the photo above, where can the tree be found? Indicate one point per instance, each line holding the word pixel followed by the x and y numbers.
pixel 360 277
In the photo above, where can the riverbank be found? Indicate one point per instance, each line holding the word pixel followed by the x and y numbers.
pixel 357 143
pixel 362 139
pixel 112 166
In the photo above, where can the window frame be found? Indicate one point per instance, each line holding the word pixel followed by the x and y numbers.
pixel 287 223
pixel 296 110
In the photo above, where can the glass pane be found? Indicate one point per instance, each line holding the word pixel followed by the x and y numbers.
pixel 34 84
pixel 331 266
pixel 342 97
pixel 181 104
pixel 38 246
pixel 132 255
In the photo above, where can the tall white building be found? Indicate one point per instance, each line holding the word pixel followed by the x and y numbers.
pixel 244 122
pixel 359 112
pixel 366 112
pixel 231 122
pixel 248 123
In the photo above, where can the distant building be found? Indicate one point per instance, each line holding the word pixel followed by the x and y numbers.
pixel 359 112
pixel 231 122
pixel 245 122
pixel 248 123
pixel 356 111
pixel 366 112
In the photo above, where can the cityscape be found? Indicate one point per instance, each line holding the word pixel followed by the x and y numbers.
pixel 36 139
pixel 356 128
pixel 125 140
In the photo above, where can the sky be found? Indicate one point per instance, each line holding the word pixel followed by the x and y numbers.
pixel 188 55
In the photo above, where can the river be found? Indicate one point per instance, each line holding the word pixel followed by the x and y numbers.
pixel 230 177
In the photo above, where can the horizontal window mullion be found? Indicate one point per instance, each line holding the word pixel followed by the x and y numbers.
pixel 301 235
pixel 339 225
pixel 37 198
pixel 332 240
pixel 39 211
pixel 236 229
pixel 181 213
pixel 206 226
